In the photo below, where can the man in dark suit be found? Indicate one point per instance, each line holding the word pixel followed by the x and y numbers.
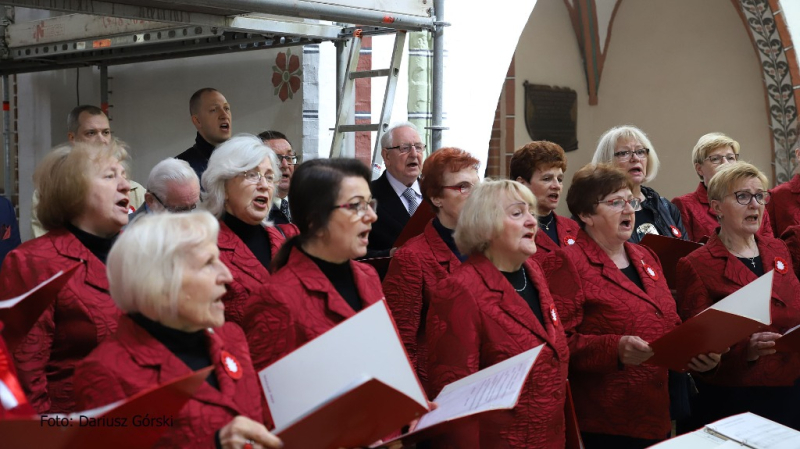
pixel 211 115
pixel 287 159
pixel 397 190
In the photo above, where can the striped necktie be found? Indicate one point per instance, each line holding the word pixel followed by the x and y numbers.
pixel 411 196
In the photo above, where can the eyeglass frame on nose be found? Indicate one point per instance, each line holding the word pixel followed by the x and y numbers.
pixel 248 174
pixel 621 207
pixel 406 148
pixel 360 207
pixel 468 186
pixel 290 159
pixel 174 210
pixel 765 197
pixel 720 157
pixel 627 155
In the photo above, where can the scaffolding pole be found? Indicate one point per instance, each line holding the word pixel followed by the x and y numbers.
pixel 438 76
pixel 6 138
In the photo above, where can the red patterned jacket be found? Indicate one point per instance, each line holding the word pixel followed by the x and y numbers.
pixel 699 219
pixel 82 316
pixel 711 273
pixel 300 304
pixel 132 361
pixel 415 270
pixel 784 207
pixel 250 278
pixel 792 238
pixel 567 230
pixel 476 320
pixel 598 305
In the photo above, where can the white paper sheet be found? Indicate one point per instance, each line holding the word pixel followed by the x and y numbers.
pixel 699 439
pixel 757 432
pixel 496 387
pixel 751 301
pixel 364 346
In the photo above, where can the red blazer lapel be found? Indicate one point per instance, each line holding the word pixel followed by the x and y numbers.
pixel 368 284
pixel 69 246
pixel 552 320
pixel 770 250
pixel 544 242
pixel 567 230
pixel 314 280
pixel 597 256
pixel 240 255
pixel 642 260
pixel 732 268
pixel 441 252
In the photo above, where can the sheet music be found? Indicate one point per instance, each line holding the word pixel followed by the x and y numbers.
pixel 757 432
pixel 751 301
pixel 496 387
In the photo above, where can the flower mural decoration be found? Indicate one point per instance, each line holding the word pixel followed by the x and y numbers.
pixel 286 75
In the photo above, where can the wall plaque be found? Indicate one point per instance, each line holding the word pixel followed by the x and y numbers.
pixel 551 113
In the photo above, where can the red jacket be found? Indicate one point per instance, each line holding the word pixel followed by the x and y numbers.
pixel 300 304
pixel 699 219
pixel 414 271
pixel 249 277
pixel 567 230
pixel 81 316
pixel 476 320
pixel 17 404
pixel 792 238
pixel 784 206
pixel 711 273
pixel 132 361
pixel 598 305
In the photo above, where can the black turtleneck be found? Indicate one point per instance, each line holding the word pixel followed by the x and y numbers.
pixel 190 347
pixel 447 235
pixel 197 156
pixel 99 246
pixel 341 276
pixel 631 273
pixel 550 221
pixel 254 236
pixel 529 293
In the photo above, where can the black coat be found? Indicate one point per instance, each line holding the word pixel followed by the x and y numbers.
pixel 392 218
pixel 197 156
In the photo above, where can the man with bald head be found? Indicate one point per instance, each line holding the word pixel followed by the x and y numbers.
pixel 211 116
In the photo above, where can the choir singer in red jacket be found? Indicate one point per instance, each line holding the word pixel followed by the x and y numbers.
pixel 613 300
pixel 165 273
pixel 493 307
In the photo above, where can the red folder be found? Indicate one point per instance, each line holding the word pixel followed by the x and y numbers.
pixel 416 224
pixel 364 410
pixel 19 314
pixel 102 428
pixel 669 251
pixel 790 342
pixel 717 328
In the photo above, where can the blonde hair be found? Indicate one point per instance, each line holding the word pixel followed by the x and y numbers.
pixel 709 143
pixel 145 265
pixel 481 219
pixel 607 145
pixel 728 175
pixel 62 179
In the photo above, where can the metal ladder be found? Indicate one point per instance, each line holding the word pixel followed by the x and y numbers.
pixel 345 117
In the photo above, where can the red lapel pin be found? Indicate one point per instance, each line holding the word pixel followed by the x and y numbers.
pixel 650 271
pixel 554 314
pixel 675 231
pixel 781 266
pixel 232 366
pixel 569 240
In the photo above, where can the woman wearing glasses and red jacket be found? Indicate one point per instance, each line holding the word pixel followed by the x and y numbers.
pixel 712 152
pixel 239 184
pixel 613 299
pixel 448 178
pixel 629 149
pixel 317 284
pixel 751 376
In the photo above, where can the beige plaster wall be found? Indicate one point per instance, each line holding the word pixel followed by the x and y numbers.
pixel 677 69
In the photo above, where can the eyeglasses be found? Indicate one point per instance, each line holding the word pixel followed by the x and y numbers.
pixel 291 159
pixel 174 210
pixel 641 153
pixel 420 147
pixel 463 188
pixel 717 159
pixel 619 203
pixel 744 197
pixel 254 177
pixel 360 207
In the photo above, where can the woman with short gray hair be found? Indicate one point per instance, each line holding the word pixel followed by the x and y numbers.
pixel 494 306
pixel 239 184
pixel 629 149
pixel 174 324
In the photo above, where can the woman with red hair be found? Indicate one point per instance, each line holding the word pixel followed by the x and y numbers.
pixel 448 177
pixel 540 166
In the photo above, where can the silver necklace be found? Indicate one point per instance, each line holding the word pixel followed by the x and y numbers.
pixel 547 226
pixel 524 279
pixel 751 259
